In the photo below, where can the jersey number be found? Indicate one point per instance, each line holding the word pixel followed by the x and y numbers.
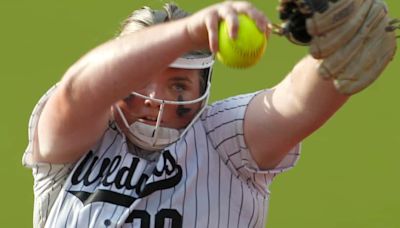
pixel 161 216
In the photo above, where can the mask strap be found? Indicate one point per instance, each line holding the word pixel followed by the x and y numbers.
pixel 122 116
pixel 157 127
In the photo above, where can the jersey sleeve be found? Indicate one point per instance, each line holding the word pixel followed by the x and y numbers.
pixel 223 122
pixel 48 178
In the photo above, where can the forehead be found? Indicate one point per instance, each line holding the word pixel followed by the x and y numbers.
pixel 187 74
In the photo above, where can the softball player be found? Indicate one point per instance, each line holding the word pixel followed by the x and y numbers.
pixel 126 138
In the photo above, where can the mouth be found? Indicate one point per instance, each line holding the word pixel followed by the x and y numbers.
pixel 148 120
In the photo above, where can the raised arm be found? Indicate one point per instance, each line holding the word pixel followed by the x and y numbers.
pixel 76 115
pixel 280 118
pixel 351 43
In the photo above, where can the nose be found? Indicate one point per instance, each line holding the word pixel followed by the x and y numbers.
pixel 151 103
pixel 150 91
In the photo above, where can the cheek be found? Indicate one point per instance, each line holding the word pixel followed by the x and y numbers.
pixel 178 118
pixel 187 112
pixel 123 106
pixel 131 101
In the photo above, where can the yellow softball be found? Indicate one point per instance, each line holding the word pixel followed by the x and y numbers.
pixel 246 49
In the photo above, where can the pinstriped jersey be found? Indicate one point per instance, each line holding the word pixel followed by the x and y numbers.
pixel 206 179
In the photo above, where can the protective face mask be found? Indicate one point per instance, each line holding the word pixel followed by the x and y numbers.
pixel 153 138
pixel 147 136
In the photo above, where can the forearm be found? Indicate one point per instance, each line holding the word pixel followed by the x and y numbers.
pixel 314 100
pixel 278 119
pixel 114 69
pixel 79 109
pixel 77 113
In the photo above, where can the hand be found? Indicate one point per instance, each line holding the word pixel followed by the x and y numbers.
pixel 353 38
pixel 202 27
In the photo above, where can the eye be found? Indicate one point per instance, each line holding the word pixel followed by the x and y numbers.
pixel 129 97
pixel 179 87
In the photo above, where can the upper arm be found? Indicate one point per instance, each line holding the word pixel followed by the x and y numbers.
pixel 278 119
pixel 270 130
pixel 66 129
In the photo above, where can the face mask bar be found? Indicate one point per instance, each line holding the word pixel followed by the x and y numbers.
pixel 162 103
pixel 156 128
pixel 190 61
pixel 193 61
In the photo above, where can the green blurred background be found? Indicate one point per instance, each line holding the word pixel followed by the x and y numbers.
pixel 348 175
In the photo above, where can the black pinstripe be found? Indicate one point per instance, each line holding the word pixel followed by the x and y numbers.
pixel 224 110
pixel 197 173
pixel 252 212
pixel 208 184
pixel 219 193
pixel 230 199
pixel 186 177
pixel 241 204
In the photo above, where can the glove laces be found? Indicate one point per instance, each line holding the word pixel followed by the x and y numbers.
pixel 393 25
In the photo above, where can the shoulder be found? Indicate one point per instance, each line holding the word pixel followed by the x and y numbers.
pixel 229 106
pixel 33 123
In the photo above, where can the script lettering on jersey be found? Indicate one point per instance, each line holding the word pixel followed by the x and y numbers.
pixel 109 172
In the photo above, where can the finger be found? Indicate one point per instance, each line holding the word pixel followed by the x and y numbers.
pixel 268 28
pixel 228 14
pixel 260 19
pixel 258 16
pixel 212 29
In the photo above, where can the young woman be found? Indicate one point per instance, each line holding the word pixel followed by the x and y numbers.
pixel 126 138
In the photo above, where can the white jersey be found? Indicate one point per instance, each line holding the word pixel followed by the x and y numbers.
pixel 206 179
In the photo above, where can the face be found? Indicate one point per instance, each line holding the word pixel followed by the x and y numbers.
pixel 172 84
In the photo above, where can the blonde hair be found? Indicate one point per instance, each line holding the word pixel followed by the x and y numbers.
pixel 146 16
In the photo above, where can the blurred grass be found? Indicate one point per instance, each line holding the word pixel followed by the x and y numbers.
pixel 347 176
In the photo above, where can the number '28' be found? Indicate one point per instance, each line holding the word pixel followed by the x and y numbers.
pixel 161 216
